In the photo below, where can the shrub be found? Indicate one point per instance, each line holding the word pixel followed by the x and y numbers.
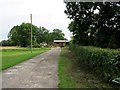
pixel 5 43
pixel 37 46
pixel 105 62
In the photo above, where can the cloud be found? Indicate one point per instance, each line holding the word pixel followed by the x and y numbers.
pixel 47 13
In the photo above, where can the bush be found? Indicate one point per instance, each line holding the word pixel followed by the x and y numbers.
pixel 105 62
pixel 37 46
pixel 5 43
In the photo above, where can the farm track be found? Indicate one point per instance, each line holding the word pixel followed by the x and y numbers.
pixel 38 72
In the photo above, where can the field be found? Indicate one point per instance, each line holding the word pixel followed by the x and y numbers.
pixel 14 55
pixel 9 47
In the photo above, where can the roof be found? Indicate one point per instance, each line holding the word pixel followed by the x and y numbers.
pixel 61 41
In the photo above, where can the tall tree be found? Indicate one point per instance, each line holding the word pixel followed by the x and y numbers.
pixel 57 34
pixel 94 23
pixel 20 35
pixel 42 35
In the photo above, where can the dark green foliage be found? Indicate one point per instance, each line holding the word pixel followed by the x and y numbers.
pixel 20 35
pixel 101 28
pixel 56 35
pixel 42 34
pixel 105 62
pixel 5 43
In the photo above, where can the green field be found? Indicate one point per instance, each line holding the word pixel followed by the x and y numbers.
pixel 11 57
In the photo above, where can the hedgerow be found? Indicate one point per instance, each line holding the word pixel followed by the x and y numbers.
pixel 104 62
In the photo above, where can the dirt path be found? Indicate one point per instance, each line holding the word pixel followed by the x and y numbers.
pixel 38 72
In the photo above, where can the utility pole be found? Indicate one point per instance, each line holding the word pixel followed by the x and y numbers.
pixel 31 31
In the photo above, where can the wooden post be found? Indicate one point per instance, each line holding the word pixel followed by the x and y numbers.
pixel 31 31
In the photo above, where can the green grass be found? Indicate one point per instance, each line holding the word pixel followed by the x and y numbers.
pixel 72 74
pixel 11 57
pixel 63 71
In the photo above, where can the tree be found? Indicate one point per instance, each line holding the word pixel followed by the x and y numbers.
pixel 42 35
pixel 109 25
pixel 94 28
pixel 82 16
pixel 20 35
pixel 57 34
pixel 5 43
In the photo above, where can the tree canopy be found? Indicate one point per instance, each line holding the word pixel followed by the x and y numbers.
pixel 20 35
pixel 95 23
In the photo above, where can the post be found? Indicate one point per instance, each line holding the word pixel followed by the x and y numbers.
pixel 31 31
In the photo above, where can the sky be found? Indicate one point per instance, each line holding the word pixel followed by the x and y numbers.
pixel 47 13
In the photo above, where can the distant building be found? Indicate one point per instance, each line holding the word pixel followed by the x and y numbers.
pixel 61 42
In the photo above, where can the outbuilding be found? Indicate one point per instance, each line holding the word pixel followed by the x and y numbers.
pixel 61 42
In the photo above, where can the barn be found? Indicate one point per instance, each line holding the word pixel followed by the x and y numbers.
pixel 61 42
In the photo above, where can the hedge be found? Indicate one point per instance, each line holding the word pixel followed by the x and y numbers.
pixel 105 62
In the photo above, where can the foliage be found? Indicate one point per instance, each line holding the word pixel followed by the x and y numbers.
pixel 20 35
pixel 76 75
pixel 37 45
pixel 56 35
pixel 42 35
pixel 5 43
pixel 95 23
pixel 105 62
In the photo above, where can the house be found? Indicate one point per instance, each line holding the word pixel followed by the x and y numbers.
pixel 61 42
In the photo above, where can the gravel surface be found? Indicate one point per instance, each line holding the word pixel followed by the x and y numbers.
pixel 38 72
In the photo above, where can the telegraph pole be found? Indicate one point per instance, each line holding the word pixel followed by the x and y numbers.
pixel 31 31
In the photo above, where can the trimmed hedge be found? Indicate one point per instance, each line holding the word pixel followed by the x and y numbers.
pixel 105 62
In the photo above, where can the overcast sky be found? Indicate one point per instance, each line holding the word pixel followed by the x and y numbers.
pixel 47 13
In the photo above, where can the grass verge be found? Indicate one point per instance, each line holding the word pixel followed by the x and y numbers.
pixel 64 67
pixel 72 74
pixel 11 57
